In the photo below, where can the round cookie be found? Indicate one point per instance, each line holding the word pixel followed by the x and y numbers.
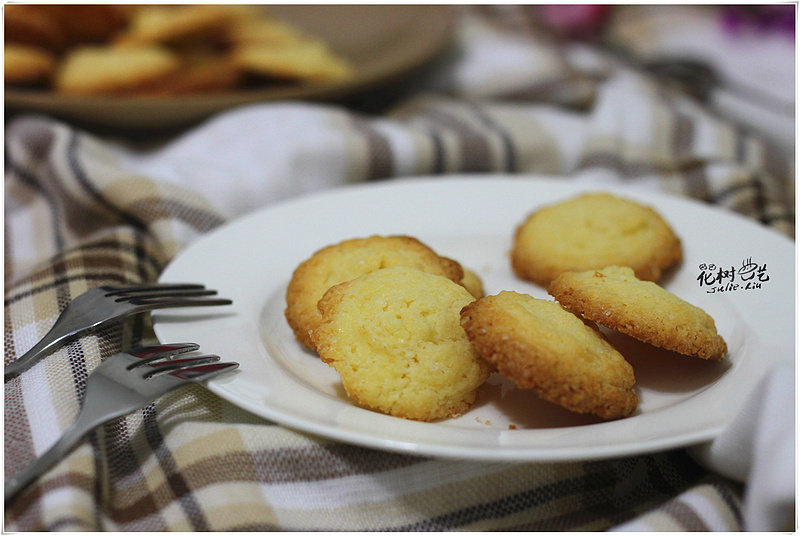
pixel 347 260
pixel 93 70
pixel 541 346
pixel 615 298
pixel 393 335
pixel 593 231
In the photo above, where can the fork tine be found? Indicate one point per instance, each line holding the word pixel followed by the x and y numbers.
pixel 163 367
pixel 169 293
pixel 150 353
pixel 168 301
pixel 204 371
pixel 147 287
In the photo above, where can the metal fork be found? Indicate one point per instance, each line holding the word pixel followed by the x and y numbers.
pixel 112 302
pixel 121 384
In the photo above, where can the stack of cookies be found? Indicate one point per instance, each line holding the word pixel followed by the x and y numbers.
pixel 384 312
pixel 160 49
pixel 412 335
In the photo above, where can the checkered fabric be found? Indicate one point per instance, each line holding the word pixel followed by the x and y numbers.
pixel 81 211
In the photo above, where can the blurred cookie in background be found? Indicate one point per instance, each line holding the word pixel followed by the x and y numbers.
pixel 28 65
pixel 164 49
pixel 95 70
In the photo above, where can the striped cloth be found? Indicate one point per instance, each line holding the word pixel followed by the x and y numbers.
pixel 82 211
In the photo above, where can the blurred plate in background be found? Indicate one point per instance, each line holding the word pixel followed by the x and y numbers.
pixel 384 43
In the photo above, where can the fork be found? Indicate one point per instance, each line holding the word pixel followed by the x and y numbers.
pixel 121 384
pixel 111 302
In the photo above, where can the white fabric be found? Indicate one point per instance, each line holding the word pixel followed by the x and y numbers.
pixel 758 448
pixel 240 160
pixel 755 69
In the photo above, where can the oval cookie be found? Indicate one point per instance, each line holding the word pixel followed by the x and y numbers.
pixel 347 260
pixel 92 70
pixel 393 335
pixel 541 346
pixel 614 297
pixel 593 231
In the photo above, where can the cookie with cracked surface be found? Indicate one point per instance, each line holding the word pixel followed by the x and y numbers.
pixel 347 260
pixel 543 347
pixel 590 231
pixel 615 298
pixel 393 335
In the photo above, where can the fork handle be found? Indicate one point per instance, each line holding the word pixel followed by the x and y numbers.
pixel 60 331
pixel 89 417
pixel 29 358
pixel 57 452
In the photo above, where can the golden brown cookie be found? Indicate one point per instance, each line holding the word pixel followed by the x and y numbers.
pixel 613 297
pixel 27 65
pixel 91 23
pixel 347 260
pixel 33 26
pixel 174 24
pixel 393 335
pixel 263 30
pixel 593 231
pixel 541 346
pixel 303 61
pixel 93 70
pixel 472 282
pixel 199 72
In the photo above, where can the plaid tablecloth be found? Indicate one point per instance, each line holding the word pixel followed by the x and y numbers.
pixel 83 210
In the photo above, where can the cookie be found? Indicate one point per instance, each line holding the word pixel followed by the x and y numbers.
pixel 174 24
pixel 93 70
pixel 472 283
pixel 199 72
pixel 543 347
pixel 91 23
pixel 263 30
pixel 347 260
pixel 615 298
pixel 33 26
pixel 393 335
pixel 27 65
pixel 300 61
pixel 593 231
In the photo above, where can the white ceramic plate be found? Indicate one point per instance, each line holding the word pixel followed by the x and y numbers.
pixel 683 401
